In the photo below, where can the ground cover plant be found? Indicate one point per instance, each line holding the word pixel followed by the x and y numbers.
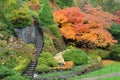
pixel 17 58
pixel 8 74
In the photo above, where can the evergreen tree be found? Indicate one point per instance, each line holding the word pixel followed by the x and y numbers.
pixel 46 17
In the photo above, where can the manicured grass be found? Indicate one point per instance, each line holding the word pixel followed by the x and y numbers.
pixel 111 78
pixel 106 69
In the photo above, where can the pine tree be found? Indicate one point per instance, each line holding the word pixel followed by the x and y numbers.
pixel 46 17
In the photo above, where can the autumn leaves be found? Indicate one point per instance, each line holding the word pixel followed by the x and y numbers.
pixel 90 26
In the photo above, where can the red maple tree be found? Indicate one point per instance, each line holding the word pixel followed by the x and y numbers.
pixel 88 26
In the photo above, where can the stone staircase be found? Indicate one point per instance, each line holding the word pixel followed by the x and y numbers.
pixel 39 42
pixel 30 70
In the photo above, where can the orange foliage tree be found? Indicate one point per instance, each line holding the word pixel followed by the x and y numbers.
pixel 98 16
pixel 88 27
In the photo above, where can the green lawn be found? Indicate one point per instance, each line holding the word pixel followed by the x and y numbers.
pixel 111 68
pixel 111 78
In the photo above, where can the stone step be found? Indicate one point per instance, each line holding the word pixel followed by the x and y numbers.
pixel 30 66
pixel 29 74
pixel 30 71
pixel 39 45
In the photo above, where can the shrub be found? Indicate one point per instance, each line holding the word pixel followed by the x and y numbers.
pixel 57 38
pixel 29 49
pixel 115 31
pixel 48 42
pixel 3 26
pixel 45 61
pixel 93 58
pixel 65 3
pixel 23 64
pixel 55 30
pixel 11 5
pixel 17 55
pixel 42 68
pixel 4 72
pixel 53 41
pixel 35 14
pixel 8 74
pixel 59 44
pixel 16 77
pixel 5 35
pixel 21 17
pixel 3 43
pixel 113 47
pixel 114 52
pixel 25 50
pixel 103 53
pixel 8 58
pixel 76 55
